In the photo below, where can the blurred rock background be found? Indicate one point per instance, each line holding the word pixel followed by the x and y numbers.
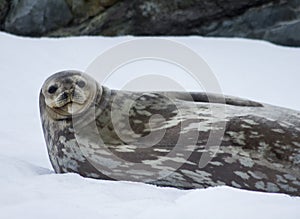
pixel 277 21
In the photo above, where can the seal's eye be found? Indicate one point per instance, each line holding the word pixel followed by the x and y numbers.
pixel 81 83
pixel 52 89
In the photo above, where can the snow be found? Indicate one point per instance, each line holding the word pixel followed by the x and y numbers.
pixel 30 189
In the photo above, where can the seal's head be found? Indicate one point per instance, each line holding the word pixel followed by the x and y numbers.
pixel 69 93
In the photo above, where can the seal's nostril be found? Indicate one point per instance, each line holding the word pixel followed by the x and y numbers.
pixel 65 95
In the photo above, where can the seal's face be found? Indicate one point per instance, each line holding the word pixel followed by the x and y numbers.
pixel 69 93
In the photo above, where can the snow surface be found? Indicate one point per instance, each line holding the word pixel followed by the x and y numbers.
pixel 30 189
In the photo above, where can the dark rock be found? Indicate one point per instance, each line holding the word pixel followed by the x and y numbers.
pixel 4 6
pixel 273 20
pixel 294 3
pixel 154 17
pixel 82 9
pixel 107 3
pixel 116 20
pixel 287 34
pixel 253 23
pixel 36 17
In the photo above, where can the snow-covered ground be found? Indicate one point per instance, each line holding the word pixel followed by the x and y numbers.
pixel 30 189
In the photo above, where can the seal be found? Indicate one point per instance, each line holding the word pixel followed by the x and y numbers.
pixel 160 137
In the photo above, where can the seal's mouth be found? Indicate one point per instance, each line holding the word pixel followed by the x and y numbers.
pixel 70 101
pixel 67 98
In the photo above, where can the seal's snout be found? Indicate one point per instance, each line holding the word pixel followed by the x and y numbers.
pixel 70 96
pixel 62 99
pixel 69 90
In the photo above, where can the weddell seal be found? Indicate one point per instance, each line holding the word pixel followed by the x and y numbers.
pixel 160 137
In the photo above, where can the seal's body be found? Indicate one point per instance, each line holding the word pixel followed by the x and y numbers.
pixel 163 137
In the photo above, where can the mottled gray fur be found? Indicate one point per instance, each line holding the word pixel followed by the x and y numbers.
pixel 260 149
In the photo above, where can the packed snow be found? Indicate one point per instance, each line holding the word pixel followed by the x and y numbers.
pixel 30 189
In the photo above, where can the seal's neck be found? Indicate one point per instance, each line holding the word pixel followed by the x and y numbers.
pixel 57 114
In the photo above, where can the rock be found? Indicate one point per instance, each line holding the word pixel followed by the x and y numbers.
pixel 107 3
pixel 273 20
pixel 36 17
pixel 116 20
pixel 294 3
pixel 82 9
pixel 3 10
pixel 253 23
pixel 287 34
pixel 155 17
pixel 179 17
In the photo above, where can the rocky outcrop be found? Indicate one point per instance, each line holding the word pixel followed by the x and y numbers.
pixel 277 21
pixel 155 17
pixel 84 9
pixel 4 6
pixel 36 17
